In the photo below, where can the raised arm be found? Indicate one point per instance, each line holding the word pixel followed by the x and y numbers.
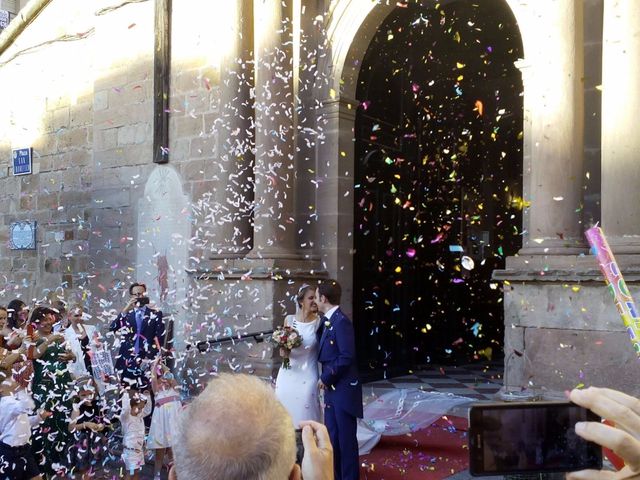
pixel 126 405
pixel 8 358
pixel 160 331
pixel 154 374
pixel 146 411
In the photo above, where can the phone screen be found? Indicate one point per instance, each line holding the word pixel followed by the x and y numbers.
pixel 530 437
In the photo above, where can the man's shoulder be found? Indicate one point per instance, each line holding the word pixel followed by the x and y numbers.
pixel 340 313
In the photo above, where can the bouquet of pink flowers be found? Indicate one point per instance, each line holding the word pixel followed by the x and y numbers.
pixel 286 338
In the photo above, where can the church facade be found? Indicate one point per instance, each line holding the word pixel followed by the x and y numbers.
pixel 210 150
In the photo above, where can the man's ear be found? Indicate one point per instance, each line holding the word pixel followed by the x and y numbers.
pixel 172 473
pixel 294 475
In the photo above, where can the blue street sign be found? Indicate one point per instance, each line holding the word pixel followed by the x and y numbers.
pixel 22 161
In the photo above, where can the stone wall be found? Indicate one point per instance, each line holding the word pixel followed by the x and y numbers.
pixel 562 329
pixel 81 77
pixel 46 75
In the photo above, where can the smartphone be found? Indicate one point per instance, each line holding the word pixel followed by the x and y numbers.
pixel 299 446
pixel 529 437
pixel 142 301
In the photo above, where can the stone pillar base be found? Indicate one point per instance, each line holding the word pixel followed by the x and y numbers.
pixel 562 328
pixel 626 245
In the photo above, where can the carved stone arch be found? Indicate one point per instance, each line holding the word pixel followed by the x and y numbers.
pixel 351 24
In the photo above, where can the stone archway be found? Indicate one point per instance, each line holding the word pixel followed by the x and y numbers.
pixel 351 24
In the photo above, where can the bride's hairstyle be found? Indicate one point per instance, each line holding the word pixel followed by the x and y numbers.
pixel 301 294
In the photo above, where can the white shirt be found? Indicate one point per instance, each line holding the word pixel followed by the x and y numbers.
pixel 331 312
pixel 77 368
pixel 133 425
pixel 15 421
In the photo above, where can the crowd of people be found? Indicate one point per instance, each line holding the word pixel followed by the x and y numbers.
pixel 60 406
pixel 64 407
pixel 65 410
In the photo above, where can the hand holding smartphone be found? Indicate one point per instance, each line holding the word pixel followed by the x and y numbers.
pixel 531 437
pixel 299 446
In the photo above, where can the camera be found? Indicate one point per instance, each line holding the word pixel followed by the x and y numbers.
pixel 529 437
pixel 299 446
pixel 142 301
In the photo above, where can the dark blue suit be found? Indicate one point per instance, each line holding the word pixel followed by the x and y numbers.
pixel 151 333
pixel 343 393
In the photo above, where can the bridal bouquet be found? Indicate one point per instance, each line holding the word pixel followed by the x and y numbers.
pixel 287 338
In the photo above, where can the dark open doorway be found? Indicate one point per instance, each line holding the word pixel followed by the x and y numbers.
pixel 438 148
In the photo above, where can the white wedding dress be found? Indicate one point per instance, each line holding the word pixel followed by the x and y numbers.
pixel 297 387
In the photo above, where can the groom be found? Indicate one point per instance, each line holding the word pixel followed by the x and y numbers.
pixel 339 380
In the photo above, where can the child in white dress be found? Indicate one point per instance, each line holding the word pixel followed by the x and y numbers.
pixel 165 415
pixel 134 409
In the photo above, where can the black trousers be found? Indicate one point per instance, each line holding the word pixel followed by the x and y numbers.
pixel 17 463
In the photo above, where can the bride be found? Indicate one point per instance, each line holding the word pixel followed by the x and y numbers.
pixel 296 387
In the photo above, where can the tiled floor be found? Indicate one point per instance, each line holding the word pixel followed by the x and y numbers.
pixel 478 381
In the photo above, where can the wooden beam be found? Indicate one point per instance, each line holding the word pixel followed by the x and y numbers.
pixel 161 80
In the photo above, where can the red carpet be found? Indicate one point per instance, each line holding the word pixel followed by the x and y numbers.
pixel 433 453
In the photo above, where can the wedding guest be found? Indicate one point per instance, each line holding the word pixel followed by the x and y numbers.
pixel 87 424
pixel 17 339
pixel 237 429
pixel 16 420
pixel 80 339
pixel 142 333
pixel 7 357
pixel 51 391
pixel 164 419
pixel 134 408
pixel 18 314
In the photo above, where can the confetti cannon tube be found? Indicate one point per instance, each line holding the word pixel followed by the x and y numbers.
pixel 617 286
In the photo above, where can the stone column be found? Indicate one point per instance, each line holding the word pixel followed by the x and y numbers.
pixel 557 131
pixel 233 198
pixel 620 137
pixel 334 197
pixel 274 223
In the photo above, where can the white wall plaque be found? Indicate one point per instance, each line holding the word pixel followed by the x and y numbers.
pixel 22 236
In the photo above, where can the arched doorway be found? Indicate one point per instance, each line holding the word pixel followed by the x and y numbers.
pixel 438 176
